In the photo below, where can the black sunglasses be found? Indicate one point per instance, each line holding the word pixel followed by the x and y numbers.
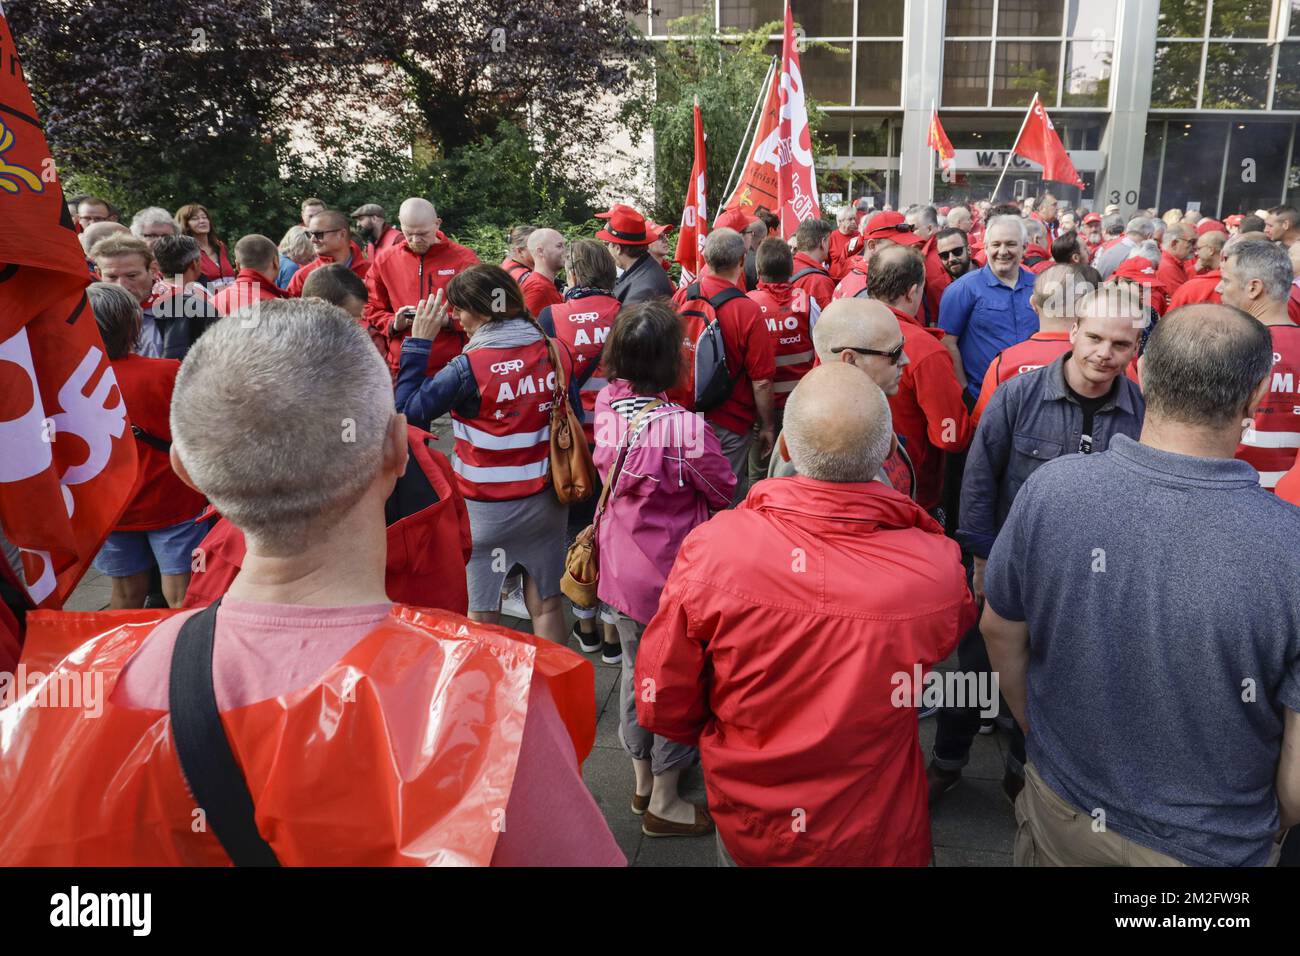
pixel 953 252
pixel 893 355
pixel 323 234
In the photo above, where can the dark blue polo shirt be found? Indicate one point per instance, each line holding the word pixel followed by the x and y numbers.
pixel 986 317
pixel 1161 596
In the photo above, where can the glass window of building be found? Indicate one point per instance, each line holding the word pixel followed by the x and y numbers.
pixel 1152 156
pixel 1240 18
pixel 880 74
pixel 836 132
pixel 1182 18
pixel 880 18
pixel 1087 73
pixel 825 18
pixel 1022 68
pixel 1236 76
pixel 1256 164
pixel 969 18
pixel 1094 19
pixel 1193 165
pixel 1176 76
pixel 1029 18
pixel 965 73
pixel 1286 88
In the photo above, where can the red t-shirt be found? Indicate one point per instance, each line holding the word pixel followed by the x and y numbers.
pixel 539 292
pixel 750 357
pixel 1199 288
pixel 160 499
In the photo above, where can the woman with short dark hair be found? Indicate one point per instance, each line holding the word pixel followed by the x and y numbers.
pixel 158 526
pixel 193 220
pixel 498 392
pixel 667 474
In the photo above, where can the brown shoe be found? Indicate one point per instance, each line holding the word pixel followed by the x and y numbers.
pixel 640 803
pixel 653 826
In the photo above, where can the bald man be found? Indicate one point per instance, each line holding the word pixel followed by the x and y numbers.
pixel 402 275
pixel 799 684
pixel 864 334
pixel 97 231
pixel 331 237
pixel 547 247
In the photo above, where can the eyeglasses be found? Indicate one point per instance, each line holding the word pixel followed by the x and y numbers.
pixel 893 354
pixel 317 236
pixel 952 252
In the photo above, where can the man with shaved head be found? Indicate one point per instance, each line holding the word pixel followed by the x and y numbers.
pixel 330 233
pixel 798 682
pixel 1203 284
pixel 258 259
pixel 547 248
pixel 1148 644
pixel 862 333
pixel 409 272
pixel 1075 405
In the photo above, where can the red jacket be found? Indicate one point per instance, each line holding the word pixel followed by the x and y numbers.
pixel 160 499
pixel 358 264
pixel 1288 486
pixel 249 286
pixel 390 238
pixel 854 281
pixel 1293 304
pixel 1200 288
pixel 936 280
pixel 819 285
pixel 400 278
pixel 213 270
pixel 1171 271
pixel 787 325
pixel 539 292
pixel 843 248
pixel 428 541
pixel 928 409
pixel 1041 348
pixel 785 670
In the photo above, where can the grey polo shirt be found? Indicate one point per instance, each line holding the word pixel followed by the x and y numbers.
pixel 1162 594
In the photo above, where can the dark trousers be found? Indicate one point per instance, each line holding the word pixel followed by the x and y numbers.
pixel 958 726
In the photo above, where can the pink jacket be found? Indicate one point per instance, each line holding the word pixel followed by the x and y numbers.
pixel 674 474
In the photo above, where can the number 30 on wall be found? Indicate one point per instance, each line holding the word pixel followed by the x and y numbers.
pixel 1130 197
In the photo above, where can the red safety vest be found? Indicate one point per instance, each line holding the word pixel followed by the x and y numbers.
pixel 583 325
pixel 1270 444
pixel 788 327
pixel 503 453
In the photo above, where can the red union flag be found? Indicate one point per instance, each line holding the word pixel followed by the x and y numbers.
pixel 796 183
pixel 757 185
pixel 1038 141
pixel 695 214
pixel 939 141
pixel 68 463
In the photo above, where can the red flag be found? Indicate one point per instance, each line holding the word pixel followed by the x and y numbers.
pixel 796 182
pixel 1038 142
pixel 757 184
pixel 939 141
pixel 695 214
pixel 68 465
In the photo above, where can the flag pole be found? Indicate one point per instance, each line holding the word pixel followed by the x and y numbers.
pixel 762 96
pixel 930 139
pixel 1029 112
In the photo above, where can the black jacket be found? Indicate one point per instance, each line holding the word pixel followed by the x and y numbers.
pixel 642 281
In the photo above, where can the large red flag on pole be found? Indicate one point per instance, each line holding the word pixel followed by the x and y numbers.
pixel 939 141
pixel 68 464
pixel 695 213
pixel 757 183
pixel 1038 142
pixel 796 182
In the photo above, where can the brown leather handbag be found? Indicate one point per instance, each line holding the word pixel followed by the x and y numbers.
pixel 581 563
pixel 572 473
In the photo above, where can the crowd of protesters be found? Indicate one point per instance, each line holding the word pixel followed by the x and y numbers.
pixel 874 488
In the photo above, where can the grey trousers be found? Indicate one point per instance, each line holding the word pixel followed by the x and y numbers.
pixel 736 450
pixel 662 753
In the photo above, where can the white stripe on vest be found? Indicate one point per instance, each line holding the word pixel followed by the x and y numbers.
pixel 487 441
pixel 1258 439
pixel 794 359
pixel 501 474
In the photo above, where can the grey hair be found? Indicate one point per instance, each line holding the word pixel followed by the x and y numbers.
pixel 1148 250
pixel 1034 229
pixel 1254 257
pixel 925 215
pixel 805 431
pixel 1112 225
pixel 1141 226
pixel 280 420
pixel 151 216
pixel 296 244
pixel 1202 363
pixel 724 249
pixel 1019 223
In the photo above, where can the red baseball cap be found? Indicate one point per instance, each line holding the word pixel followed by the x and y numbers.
pixel 1092 217
pixel 656 231
pixel 1137 268
pixel 1233 220
pixel 893 226
pixel 735 218
pixel 626 226
pixel 1210 225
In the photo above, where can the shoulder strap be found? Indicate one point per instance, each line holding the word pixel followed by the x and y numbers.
pixel 811 270
pixel 725 296
pixel 207 762
pixel 622 455
pixel 153 441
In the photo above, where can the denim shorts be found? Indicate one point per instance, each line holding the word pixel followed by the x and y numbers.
pixel 133 552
